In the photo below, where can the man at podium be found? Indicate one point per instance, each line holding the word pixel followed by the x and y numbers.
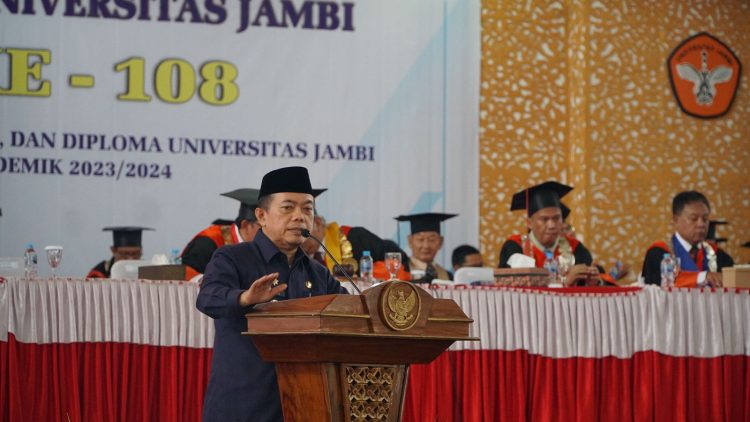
pixel 242 387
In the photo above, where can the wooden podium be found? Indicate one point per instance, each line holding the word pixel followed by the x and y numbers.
pixel 346 357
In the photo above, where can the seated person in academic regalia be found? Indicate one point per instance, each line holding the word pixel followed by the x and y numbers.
pixel 699 264
pixel 201 247
pixel 362 240
pixel 466 256
pixel 126 244
pixel 425 241
pixel 346 244
pixel 545 233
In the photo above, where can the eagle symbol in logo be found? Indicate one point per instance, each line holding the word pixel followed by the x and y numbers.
pixel 704 80
pixel 401 307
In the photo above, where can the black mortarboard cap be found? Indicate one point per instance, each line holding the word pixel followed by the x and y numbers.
pixel 544 195
pixel 565 211
pixel 126 235
pixel 711 235
pixel 222 222
pixel 425 222
pixel 248 198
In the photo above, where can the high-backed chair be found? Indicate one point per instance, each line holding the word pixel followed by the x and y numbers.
pixel 127 268
pixel 468 275
pixel 11 267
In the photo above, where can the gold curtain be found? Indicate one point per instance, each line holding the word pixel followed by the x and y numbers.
pixel 578 91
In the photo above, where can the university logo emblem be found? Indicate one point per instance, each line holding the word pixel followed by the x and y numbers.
pixel 704 74
pixel 400 305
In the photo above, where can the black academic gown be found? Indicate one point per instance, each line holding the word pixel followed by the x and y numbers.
pixel 242 387
pixel 202 246
pixel 102 269
pixel 365 240
pixel 510 247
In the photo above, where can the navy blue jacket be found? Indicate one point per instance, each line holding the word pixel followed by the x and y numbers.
pixel 242 387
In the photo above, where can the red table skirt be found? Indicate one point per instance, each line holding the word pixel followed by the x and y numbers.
pixel 101 382
pixel 120 350
pixel 128 382
pixel 491 385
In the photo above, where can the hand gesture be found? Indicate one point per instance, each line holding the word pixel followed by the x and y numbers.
pixel 581 272
pixel 262 290
pixel 714 279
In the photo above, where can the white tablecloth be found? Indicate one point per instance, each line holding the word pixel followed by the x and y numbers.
pixel 47 311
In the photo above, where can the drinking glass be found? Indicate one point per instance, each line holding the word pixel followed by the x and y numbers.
pixel 54 256
pixel 392 263
pixel 565 261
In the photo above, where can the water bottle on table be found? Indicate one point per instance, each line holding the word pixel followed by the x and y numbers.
pixel 175 258
pixel 30 260
pixel 668 270
pixel 550 264
pixel 365 267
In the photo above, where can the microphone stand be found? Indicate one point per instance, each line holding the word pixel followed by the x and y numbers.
pixel 336 265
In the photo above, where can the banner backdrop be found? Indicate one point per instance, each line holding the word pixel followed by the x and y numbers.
pixel 138 112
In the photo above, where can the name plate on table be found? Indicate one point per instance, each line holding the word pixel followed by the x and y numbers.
pixel 162 272
pixel 521 277
pixel 737 276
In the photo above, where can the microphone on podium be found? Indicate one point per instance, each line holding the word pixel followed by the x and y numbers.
pixel 306 233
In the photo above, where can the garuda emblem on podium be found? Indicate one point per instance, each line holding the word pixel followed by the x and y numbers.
pixel 400 305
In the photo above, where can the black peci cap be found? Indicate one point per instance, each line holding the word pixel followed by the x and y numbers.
pixel 126 235
pixel 425 222
pixel 711 235
pixel 540 196
pixel 317 192
pixel 746 245
pixel 286 179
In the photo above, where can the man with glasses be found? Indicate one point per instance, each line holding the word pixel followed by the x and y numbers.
pixel 126 244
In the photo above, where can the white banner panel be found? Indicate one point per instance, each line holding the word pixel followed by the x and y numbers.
pixel 138 112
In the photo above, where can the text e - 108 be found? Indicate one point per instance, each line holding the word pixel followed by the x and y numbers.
pixel 174 80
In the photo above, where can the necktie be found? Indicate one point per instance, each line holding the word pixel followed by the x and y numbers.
pixel 430 273
pixel 694 254
pixel 318 256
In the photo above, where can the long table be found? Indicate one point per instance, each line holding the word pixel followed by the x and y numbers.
pixel 114 350
pixel 599 354
pixel 79 350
